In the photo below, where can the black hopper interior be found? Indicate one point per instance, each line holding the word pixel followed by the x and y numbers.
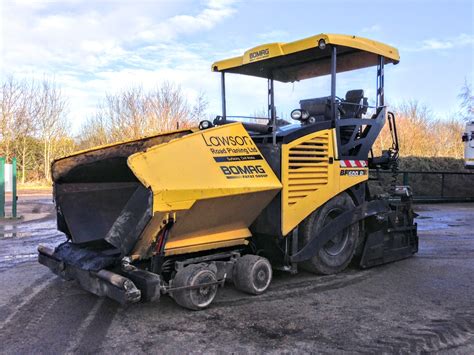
pixel 99 200
pixel 103 202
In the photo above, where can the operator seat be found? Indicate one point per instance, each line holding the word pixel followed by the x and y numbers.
pixel 355 104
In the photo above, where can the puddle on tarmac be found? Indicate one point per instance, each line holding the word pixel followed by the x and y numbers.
pixel 19 242
pixel 28 229
pixel 433 225
pixel 441 220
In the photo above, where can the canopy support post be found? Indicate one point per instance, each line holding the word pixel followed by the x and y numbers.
pixel 271 108
pixel 333 81
pixel 380 82
pixel 224 113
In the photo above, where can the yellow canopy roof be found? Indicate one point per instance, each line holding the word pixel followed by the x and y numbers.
pixel 303 59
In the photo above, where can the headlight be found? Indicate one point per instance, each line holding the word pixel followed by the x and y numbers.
pixel 299 115
pixel 322 44
pixel 296 114
pixel 205 124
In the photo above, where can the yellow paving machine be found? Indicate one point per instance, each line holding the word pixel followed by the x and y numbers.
pixel 182 212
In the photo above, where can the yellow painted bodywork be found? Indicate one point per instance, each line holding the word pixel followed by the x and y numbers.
pixel 309 179
pixel 189 171
pixel 215 181
pixel 213 211
pixel 193 248
pixel 273 50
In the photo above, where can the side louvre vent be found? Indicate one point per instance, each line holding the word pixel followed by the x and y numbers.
pixel 307 167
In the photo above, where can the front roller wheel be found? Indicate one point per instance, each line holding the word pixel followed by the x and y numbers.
pixel 252 274
pixel 195 298
pixel 338 252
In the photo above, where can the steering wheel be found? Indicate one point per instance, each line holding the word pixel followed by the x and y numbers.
pixel 339 107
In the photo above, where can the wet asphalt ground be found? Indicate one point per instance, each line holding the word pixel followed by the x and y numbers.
pixel 421 304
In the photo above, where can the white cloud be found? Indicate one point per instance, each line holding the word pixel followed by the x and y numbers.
pixel 372 29
pixel 96 47
pixel 274 35
pixel 215 12
pixel 438 44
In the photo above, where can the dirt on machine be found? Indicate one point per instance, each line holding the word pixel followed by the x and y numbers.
pixel 182 213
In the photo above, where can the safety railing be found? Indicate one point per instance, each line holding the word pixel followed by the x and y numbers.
pixel 433 186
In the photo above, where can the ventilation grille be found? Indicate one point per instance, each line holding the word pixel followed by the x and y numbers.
pixel 307 167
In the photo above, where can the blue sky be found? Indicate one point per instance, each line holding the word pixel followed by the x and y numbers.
pixel 93 47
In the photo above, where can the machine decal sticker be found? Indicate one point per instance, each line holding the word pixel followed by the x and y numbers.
pixel 237 158
pixel 353 163
pixel 351 172
pixel 218 141
pixel 263 53
pixel 236 153
pixel 245 172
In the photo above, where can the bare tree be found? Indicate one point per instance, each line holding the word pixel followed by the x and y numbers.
pixel 422 134
pixel 199 110
pixel 414 128
pixel 18 114
pixel 11 100
pixel 168 109
pixel 135 113
pixel 93 132
pixel 467 99
pixel 52 126
pixel 25 127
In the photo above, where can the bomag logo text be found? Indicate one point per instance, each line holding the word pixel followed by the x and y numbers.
pixel 242 170
pixel 227 141
pixel 259 54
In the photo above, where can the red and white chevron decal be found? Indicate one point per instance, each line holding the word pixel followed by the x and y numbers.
pixel 353 163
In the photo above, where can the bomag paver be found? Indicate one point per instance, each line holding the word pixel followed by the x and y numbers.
pixel 179 213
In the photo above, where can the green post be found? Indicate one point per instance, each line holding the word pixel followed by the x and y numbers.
pixel 14 187
pixel 2 187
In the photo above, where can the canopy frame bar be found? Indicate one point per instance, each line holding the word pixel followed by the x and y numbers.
pixel 333 81
pixel 224 109
pixel 380 100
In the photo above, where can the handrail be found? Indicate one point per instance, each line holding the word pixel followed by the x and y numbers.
pixel 425 172
pixel 250 117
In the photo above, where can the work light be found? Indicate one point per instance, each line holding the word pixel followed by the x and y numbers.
pixel 299 115
pixel 205 124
